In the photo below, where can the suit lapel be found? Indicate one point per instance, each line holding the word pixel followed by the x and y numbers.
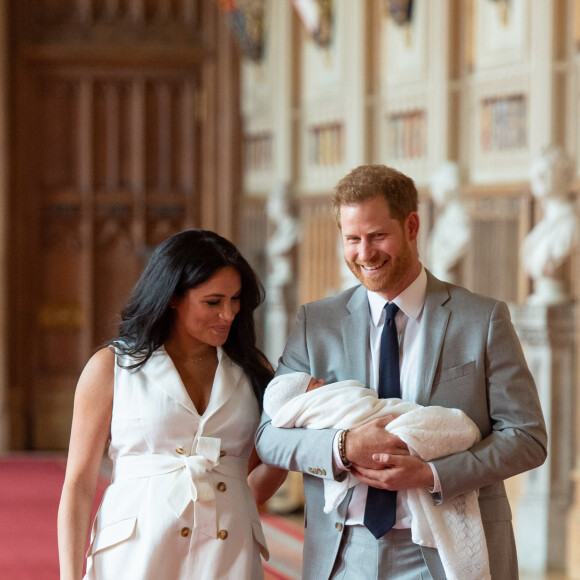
pixel 433 327
pixel 355 337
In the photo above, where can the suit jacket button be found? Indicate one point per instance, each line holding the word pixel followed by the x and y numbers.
pixel 223 453
pixel 338 526
pixel 311 470
pixel 180 450
pixel 221 486
pixel 222 534
pixel 322 471
pixel 185 532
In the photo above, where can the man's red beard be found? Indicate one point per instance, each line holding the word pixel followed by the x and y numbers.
pixel 394 270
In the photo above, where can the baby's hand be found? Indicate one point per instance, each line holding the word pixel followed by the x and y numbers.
pixel 314 384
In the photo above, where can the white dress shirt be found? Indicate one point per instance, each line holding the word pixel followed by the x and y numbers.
pixel 408 321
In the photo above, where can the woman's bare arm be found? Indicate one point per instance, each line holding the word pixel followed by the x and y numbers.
pixel 90 431
pixel 264 480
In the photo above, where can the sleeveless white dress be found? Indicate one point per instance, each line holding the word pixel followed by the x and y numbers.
pixel 179 506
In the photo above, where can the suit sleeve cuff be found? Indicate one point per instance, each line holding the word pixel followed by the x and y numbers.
pixel 436 489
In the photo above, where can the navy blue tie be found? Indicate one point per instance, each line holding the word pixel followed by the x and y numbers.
pixel 381 506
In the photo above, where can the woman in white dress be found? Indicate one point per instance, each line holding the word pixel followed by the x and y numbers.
pixel 178 396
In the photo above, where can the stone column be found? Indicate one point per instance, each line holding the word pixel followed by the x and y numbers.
pixel 548 337
pixel 573 537
pixel 275 323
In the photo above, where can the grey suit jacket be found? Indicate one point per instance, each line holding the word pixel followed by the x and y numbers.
pixel 471 360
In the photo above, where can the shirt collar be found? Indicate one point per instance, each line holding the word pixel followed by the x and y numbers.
pixel 411 300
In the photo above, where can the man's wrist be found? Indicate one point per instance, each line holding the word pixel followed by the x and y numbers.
pixel 342 448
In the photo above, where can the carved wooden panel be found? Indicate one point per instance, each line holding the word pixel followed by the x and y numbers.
pixel 113 21
pixel 114 252
pixel 118 132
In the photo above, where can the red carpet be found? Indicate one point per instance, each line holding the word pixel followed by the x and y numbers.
pixel 29 494
pixel 285 541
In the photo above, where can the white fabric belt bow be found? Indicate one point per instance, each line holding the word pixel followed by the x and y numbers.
pixel 193 482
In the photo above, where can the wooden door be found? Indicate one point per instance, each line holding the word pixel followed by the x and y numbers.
pixel 118 121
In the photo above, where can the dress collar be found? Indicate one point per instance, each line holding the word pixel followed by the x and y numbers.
pixel 163 374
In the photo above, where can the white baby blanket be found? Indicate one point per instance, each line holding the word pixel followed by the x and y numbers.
pixel 455 527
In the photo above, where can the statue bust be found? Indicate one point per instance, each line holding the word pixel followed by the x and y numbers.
pixel 451 233
pixel 283 238
pixel 550 242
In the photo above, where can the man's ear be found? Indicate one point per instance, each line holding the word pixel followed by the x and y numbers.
pixel 412 225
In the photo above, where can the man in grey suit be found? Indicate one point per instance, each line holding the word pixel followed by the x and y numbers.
pixel 456 349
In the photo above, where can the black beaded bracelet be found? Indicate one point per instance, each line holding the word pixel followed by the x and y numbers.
pixel 342 448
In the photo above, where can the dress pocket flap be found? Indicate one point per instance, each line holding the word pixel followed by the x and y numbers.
pixel 260 538
pixel 112 534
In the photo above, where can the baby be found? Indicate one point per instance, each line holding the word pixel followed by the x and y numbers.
pixel 454 528
pixel 283 388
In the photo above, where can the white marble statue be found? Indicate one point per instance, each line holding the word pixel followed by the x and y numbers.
pixel 450 235
pixel 283 238
pixel 550 242
pixel 280 273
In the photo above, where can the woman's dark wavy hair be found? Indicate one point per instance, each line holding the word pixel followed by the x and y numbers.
pixel 184 261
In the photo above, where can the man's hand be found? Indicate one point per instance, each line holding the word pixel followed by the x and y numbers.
pixel 372 438
pixel 396 472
